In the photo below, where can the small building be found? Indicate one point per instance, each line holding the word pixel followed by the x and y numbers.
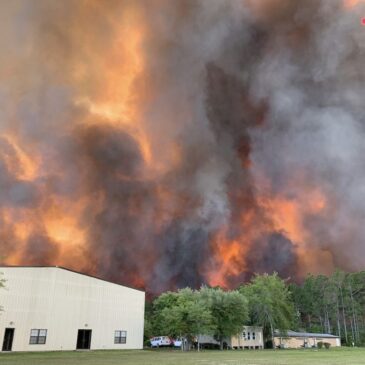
pixel 53 308
pixel 251 337
pixel 208 341
pixel 294 340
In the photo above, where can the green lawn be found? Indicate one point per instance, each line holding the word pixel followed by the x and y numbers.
pixel 344 356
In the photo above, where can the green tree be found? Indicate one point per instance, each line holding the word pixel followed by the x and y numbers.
pixel 310 301
pixel 270 303
pixel 155 315
pixel 229 310
pixel 148 328
pixel 2 285
pixel 182 314
pixel 334 304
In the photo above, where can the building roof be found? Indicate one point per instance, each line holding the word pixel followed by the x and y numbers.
pixel 304 334
pixel 73 271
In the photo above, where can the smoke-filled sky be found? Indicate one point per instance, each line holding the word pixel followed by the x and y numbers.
pixel 164 143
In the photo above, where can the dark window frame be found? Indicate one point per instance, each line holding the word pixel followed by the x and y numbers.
pixel 38 339
pixel 119 339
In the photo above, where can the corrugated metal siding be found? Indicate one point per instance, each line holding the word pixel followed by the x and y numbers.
pixel 63 302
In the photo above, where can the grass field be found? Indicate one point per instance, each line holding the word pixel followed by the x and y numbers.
pixel 344 356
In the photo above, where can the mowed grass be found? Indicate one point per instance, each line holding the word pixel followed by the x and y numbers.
pixel 344 356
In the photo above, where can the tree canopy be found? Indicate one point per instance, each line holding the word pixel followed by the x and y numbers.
pixel 189 313
pixel 270 303
pixel 332 304
pixel 229 310
pixel 182 314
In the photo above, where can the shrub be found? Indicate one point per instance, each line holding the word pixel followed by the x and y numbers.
pixel 327 345
pixel 320 344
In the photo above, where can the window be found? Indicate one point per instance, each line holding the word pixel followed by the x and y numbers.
pixel 120 337
pixel 249 335
pixel 244 334
pixel 254 335
pixel 38 337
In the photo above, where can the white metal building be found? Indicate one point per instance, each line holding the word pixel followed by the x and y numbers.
pixel 52 308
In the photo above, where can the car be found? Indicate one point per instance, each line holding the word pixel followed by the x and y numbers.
pixel 161 341
pixel 177 342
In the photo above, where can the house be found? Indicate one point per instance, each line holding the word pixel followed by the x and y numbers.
pixel 53 308
pixel 294 340
pixel 251 337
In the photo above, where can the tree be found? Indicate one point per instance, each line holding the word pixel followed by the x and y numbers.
pixel 229 311
pixel 333 304
pixel 182 314
pixel 165 300
pixel 270 303
pixel 2 285
pixel 148 328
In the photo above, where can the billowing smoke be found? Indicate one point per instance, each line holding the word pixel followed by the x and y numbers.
pixel 168 143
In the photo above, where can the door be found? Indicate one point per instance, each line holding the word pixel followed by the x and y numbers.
pixel 8 339
pixel 83 340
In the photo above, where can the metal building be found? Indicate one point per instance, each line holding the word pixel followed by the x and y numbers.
pixel 53 308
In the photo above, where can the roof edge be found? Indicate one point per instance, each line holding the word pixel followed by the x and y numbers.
pixel 291 333
pixel 70 270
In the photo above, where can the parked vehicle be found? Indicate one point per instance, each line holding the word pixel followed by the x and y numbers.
pixel 161 341
pixel 177 342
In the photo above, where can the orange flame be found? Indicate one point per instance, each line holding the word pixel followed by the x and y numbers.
pixel 352 3
pixel 283 214
pixel 229 255
pixel 115 103
pixel 110 87
pixel 20 163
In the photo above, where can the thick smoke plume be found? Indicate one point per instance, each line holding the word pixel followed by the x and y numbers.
pixel 168 143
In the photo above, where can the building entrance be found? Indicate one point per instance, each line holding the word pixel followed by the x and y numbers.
pixel 83 340
pixel 8 339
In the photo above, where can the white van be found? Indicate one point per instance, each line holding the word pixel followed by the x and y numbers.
pixel 177 342
pixel 161 341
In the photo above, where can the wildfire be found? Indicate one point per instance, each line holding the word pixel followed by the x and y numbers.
pixel 162 145
pixel 23 166
pixel 119 97
pixel 229 256
pixel 352 3
pixel 289 215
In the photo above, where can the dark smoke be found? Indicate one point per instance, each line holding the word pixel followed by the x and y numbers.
pixel 39 250
pixel 244 103
pixel 275 254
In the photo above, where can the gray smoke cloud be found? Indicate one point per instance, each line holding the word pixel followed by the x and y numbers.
pixel 249 107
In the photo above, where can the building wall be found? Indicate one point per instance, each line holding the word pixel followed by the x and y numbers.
pixel 63 302
pixel 244 340
pixel 298 342
pixel 239 341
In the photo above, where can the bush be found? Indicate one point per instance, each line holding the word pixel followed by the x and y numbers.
pixel 320 345
pixel 327 345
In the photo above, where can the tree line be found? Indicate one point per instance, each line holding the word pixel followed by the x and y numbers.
pixel 188 313
pixel 332 304
pixel 324 304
